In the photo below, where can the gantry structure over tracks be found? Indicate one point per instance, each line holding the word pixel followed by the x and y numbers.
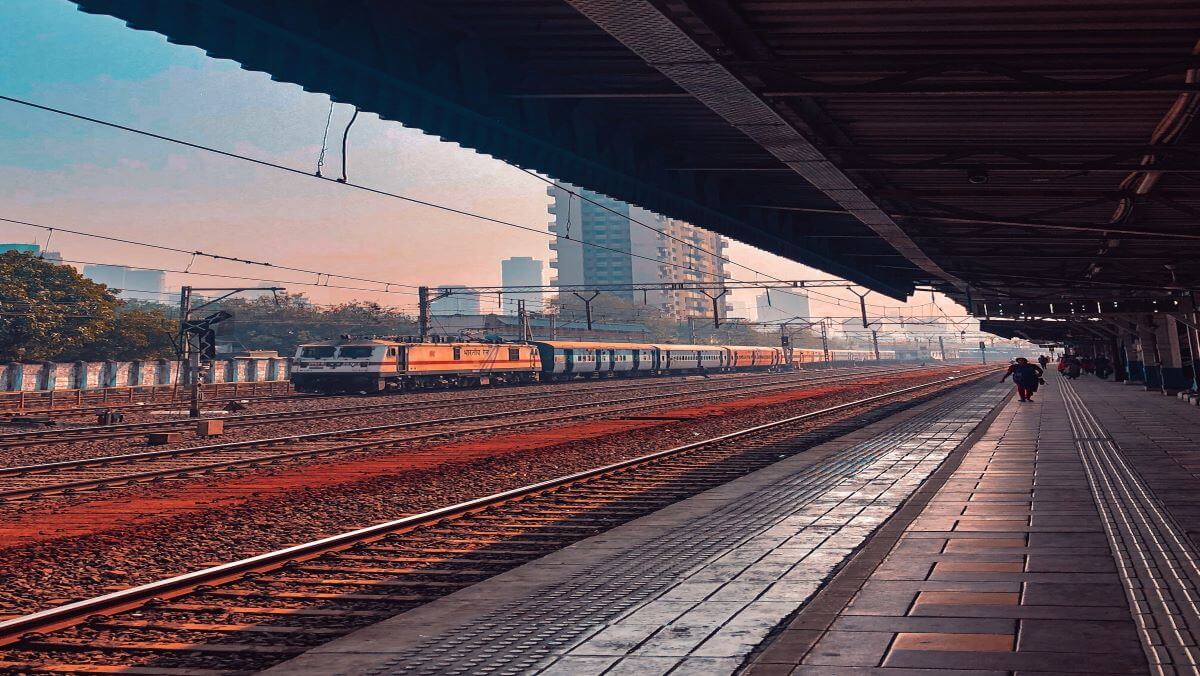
pixel 1032 159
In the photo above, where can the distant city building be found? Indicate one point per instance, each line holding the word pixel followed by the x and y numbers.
pixel 454 303
pixel 20 248
pixel 521 271
pixel 668 250
pixel 34 249
pixel 780 305
pixel 480 327
pixel 130 283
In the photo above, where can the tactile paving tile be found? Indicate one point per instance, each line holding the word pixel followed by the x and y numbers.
pixel 1157 562
pixel 530 634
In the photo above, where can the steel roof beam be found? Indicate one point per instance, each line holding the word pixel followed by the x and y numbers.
pixel 650 34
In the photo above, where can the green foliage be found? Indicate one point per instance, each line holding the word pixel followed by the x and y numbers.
pixel 51 312
pixel 284 323
pixel 133 334
pixel 48 309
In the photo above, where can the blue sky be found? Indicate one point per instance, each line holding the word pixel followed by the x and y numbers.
pixel 64 172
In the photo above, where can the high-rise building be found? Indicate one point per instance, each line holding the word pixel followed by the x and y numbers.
pixel 454 303
pixel 668 250
pixel 130 283
pixel 781 305
pixel 521 271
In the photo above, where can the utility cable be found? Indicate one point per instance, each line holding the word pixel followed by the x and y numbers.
pixel 346 135
pixel 292 170
pixel 365 188
pixel 324 140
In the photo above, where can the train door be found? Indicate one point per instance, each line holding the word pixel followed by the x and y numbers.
pixel 612 360
pixel 570 361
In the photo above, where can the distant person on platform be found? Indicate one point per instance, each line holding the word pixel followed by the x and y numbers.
pixel 1043 361
pixel 1074 366
pixel 1025 376
pixel 1103 367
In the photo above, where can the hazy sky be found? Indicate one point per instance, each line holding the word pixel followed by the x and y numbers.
pixel 62 172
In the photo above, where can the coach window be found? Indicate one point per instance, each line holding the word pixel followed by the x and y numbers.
pixel 391 352
pixel 514 354
pixel 457 352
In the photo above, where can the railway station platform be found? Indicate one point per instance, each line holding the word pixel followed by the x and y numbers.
pixel 972 535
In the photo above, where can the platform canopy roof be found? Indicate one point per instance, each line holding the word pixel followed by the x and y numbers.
pixel 1004 151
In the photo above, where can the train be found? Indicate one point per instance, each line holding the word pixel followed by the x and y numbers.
pixel 378 365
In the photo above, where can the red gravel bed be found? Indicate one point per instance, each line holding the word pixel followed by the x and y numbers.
pixel 146 533
pixel 38 453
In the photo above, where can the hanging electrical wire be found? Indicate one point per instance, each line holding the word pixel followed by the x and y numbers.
pixel 365 188
pixel 346 135
pixel 324 140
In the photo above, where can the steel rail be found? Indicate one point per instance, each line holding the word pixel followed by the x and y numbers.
pixel 94 403
pixel 181 472
pixel 312 436
pixel 90 432
pixel 13 630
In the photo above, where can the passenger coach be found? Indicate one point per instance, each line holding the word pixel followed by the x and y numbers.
pixel 562 360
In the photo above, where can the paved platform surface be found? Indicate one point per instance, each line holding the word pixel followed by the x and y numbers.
pixel 693 588
pixel 1059 545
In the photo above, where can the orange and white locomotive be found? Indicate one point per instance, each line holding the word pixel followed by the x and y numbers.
pixel 372 365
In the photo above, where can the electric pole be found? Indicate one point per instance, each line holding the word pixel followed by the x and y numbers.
pixel 523 321
pixel 422 313
pixel 825 342
pixel 189 359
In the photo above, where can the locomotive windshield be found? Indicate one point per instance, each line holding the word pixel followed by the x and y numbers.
pixel 317 351
pixel 356 351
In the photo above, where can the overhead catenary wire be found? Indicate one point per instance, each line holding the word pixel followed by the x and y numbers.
pixel 343 181
pixel 203 254
pixel 300 172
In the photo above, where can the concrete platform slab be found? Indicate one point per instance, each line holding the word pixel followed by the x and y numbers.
pixel 1084 501
pixel 694 588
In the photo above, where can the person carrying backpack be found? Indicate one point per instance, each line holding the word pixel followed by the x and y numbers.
pixel 1025 376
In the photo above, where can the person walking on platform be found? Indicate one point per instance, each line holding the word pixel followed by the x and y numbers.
pixel 1025 376
pixel 1043 361
pixel 1074 366
pixel 1102 367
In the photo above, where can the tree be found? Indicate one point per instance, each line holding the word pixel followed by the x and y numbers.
pixel 51 312
pixel 133 334
pixel 284 322
pixel 47 309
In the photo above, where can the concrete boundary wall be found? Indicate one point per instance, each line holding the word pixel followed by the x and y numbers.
pixel 25 377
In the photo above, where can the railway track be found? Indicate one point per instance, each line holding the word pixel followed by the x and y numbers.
pixel 71 476
pixel 245 615
pixel 395 403
pixel 87 402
